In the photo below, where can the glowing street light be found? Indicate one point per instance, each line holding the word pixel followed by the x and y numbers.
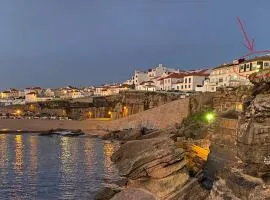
pixel 210 117
pixel 125 111
pixel 90 114
pixel 18 112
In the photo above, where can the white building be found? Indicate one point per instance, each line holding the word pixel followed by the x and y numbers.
pixel 112 89
pixel 234 74
pixel 225 75
pixel 139 77
pixel 252 65
pixel 167 82
pixel 158 70
pixel 183 81
pixel 153 74
pixel 48 92
pixel 31 97
pixel 190 82
pixel 147 86
pixel 206 87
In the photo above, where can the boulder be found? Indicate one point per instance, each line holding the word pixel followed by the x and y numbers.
pixel 239 186
pixel 155 165
pixel 136 158
pixel 128 134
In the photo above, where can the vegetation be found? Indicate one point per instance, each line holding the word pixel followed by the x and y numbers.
pixel 196 125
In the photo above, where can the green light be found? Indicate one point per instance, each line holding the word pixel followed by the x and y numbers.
pixel 210 117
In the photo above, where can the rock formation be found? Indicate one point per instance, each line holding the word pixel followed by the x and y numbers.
pixel 249 178
pixel 155 165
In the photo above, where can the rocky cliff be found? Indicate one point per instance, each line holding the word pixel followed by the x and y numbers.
pixel 249 176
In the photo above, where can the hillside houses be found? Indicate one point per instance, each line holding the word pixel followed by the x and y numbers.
pixel 158 78
pixel 235 73
pixel 110 89
pixel 161 78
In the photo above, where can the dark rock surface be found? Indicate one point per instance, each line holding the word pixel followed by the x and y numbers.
pixel 128 134
pixel 63 132
pixel 106 193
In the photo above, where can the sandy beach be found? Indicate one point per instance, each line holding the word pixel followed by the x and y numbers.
pixel 93 127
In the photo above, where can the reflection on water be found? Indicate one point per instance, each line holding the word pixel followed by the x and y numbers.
pixel 35 167
pixel 108 151
pixel 33 153
pixel 19 154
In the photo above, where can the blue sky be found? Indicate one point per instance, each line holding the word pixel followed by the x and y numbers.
pixel 53 43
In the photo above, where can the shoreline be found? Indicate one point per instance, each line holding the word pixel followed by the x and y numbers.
pixel 27 126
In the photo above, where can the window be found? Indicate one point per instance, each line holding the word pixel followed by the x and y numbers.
pixel 242 68
pixel 247 67
pixel 220 80
pixel 182 87
pixel 185 80
pixel 266 64
pixel 177 87
pixel 189 86
pixel 185 86
pixel 189 80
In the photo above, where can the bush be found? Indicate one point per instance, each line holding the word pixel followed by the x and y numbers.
pixel 195 126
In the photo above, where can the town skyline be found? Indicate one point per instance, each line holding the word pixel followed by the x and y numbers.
pixel 88 43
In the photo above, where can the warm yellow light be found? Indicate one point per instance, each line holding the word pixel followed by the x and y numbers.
pixel 32 107
pixel 18 112
pixel 90 114
pixel 109 112
pixel 125 107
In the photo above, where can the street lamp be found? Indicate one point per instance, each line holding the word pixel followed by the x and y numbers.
pixel 90 114
pixel 210 117
pixel 110 113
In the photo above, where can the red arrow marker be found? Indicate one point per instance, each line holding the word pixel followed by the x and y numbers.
pixel 249 44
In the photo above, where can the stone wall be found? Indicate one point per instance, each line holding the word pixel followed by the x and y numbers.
pixel 226 99
pixel 115 106
pixel 158 117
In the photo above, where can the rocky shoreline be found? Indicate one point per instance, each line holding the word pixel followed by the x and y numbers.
pixel 156 163
pixel 153 165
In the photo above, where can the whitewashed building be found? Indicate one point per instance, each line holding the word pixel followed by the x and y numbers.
pixel 147 86
pixel 110 89
pixel 167 82
pixel 252 65
pixel 235 73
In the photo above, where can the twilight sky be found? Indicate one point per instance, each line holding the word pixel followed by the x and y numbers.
pixel 53 43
